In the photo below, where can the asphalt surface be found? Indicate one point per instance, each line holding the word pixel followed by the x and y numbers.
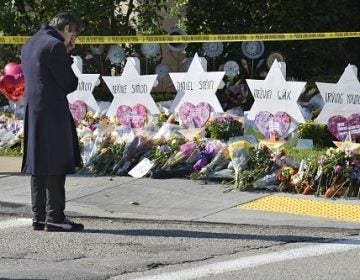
pixel 126 197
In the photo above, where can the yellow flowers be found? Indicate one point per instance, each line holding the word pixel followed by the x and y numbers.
pixel 287 171
pixel 235 146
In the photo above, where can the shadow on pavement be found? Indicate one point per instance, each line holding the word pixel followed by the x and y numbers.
pixel 217 235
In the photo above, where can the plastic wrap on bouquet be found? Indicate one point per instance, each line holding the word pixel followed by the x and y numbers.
pixel 174 158
pixel 220 161
pixel 7 139
pixel 239 152
pixel 163 149
pixel 101 155
pixel 132 153
pixel 167 130
pixel 221 175
pixel 267 182
pixel 207 152
pixel 11 130
pixel 100 145
pixel 184 152
pixel 181 169
pixel 87 144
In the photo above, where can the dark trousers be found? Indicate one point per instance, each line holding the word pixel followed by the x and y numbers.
pixel 48 197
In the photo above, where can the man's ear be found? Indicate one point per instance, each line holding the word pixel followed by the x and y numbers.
pixel 67 28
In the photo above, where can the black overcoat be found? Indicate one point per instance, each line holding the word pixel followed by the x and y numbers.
pixel 51 146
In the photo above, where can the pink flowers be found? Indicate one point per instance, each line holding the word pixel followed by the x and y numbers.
pixel 184 152
pixel 338 169
pixel 187 148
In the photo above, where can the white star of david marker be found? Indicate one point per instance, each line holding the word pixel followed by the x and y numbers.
pixel 131 89
pixel 342 98
pixel 275 94
pixel 84 90
pixel 196 85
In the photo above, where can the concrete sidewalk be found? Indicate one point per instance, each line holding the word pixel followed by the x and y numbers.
pixel 10 164
pixel 170 199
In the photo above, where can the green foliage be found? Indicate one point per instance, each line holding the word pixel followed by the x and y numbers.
pixel 317 132
pixel 104 17
pixel 310 156
pixel 306 59
pixel 164 149
pixel 163 96
pixel 105 160
pixel 11 152
pixel 310 60
pixel 223 128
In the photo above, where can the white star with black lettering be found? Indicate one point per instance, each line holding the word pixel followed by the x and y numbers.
pixel 275 94
pixel 197 85
pixel 342 98
pixel 131 89
pixel 84 91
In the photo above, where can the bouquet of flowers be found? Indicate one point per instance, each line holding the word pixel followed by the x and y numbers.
pixel 133 150
pixel 102 162
pixel 223 127
pixel 302 181
pixel 284 176
pixel 94 135
pixel 260 172
pixel 261 169
pixel 212 170
pixel 176 162
pixel 338 173
pixel 184 152
pixel 354 189
pixel 163 149
pixel 207 151
pixel 11 130
pixel 239 153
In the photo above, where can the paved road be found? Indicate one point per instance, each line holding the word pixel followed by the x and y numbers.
pixel 176 229
pixel 118 249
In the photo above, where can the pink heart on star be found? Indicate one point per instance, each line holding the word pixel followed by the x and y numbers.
pixel 340 126
pixel 132 117
pixel 194 116
pixel 78 111
pixel 267 123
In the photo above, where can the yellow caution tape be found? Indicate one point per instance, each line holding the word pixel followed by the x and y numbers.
pixel 195 38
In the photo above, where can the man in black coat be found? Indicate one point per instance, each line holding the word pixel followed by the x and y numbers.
pixel 51 147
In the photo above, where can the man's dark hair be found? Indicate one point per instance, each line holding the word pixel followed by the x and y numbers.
pixel 62 19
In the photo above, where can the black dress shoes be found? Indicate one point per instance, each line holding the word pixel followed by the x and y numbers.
pixel 38 225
